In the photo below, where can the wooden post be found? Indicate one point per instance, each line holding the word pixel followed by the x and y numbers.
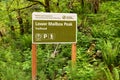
pixel 34 61
pixel 73 56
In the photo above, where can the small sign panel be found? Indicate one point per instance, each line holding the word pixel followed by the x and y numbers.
pixel 54 28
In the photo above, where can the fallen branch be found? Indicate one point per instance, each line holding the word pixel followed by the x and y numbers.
pixel 55 52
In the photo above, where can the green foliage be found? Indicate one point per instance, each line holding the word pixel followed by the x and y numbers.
pixel 111 76
pixel 54 61
pixel 109 53
pixel 50 67
pixel 108 74
pixel 12 67
pixel 10 72
pixel 116 74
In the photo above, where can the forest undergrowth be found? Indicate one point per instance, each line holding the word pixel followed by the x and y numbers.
pixel 98 42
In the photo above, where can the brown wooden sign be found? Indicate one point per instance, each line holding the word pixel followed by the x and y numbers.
pixel 50 28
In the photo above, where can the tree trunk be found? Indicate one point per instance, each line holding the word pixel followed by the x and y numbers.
pixel 20 23
pixel 10 21
pixel 27 26
pixel 82 5
pixel 95 6
pixel 47 6
pixel 1 35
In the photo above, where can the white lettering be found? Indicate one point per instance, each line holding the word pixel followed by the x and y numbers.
pixel 41 28
pixel 55 24
pixel 67 24
pixel 40 24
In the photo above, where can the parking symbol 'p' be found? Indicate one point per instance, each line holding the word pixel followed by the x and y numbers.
pixel 45 36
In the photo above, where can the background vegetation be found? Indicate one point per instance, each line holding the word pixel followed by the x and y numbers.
pixel 98 45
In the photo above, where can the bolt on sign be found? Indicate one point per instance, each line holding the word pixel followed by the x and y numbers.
pixel 54 28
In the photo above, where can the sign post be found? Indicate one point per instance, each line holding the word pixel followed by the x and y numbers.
pixel 53 28
pixel 73 56
pixel 34 61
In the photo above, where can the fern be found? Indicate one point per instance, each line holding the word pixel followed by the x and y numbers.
pixel 109 53
pixel 116 74
pixel 108 74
